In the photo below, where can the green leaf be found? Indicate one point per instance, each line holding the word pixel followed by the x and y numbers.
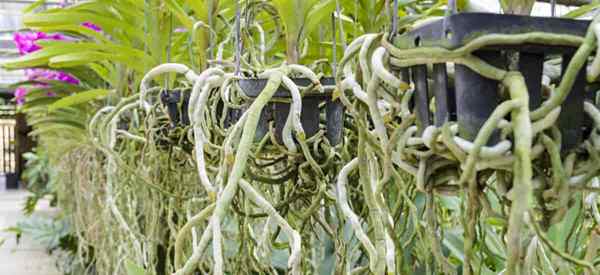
pixel 187 22
pixel 133 269
pixel 200 8
pixel 53 85
pixel 75 122
pixel 76 29
pixel 318 14
pixel 581 11
pixel 454 242
pixel 51 129
pixel 42 101
pixel 76 59
pixel 79 98
pixel 101 71
pixel 76 17
pixel 496 221
pixel 34 6
pixel 45 231
pixel 35 59
pixel 517 6
pixel 560 232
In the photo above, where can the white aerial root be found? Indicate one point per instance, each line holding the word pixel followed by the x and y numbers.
pixel 595 67
pixel 215 223
pixel 591 200
pixel 428 135
pixel 198 102
pixel 130 136
pixel 293 119
pixel 304 71
pixel 499 149
pixel 238 137
pixel 593 112
pixel 94 121
pixel 376 115
pixel 225 197
pixel 108 139
pixel 295 239
pixel 202 85
pixel 342 200
pixel 494 151
pixel 196 109
pixel 531 254
pixel 390 253
pixel 546 122
pixel 380 71
pixel 162 69
pixel 199 83
pixel 349 83
pixel 199 24
pixel 262 43
pixel 355 45
pixel 294 115
pixel 363 60
pixel 263 249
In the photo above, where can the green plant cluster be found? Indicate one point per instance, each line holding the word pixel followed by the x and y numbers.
pixel 143 194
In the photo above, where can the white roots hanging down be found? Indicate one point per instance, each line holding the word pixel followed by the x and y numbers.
pixel 444 163
pixel 229 161
pixel 383 185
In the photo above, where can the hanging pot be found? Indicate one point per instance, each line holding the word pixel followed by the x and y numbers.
pixel 473 97
pixel 176 101
pixel 314 104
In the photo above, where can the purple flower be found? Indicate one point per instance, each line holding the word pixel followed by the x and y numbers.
pixel 42 74
pixel 20 95
pixel 180 30
pixel 92 26
pixel 25 41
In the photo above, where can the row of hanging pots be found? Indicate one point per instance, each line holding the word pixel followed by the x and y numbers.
pixel 469 101
pixel 314 104
pixel 472 98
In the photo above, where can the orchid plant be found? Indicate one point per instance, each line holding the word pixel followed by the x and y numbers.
pixel 146 197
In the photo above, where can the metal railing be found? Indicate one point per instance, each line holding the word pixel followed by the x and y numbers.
pixel 9 160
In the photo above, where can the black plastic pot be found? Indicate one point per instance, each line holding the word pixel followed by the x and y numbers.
pixel 473 97
pixel 176 102
pixel 313 106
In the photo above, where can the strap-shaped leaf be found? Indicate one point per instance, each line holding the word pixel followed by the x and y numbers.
pixel 581 11
pixel 318 15
pixel 180 13
pixel 75 17
pixel 79 98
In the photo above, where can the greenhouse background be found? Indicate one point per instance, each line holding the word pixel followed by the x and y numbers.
pixel 151 137
pixel 26 257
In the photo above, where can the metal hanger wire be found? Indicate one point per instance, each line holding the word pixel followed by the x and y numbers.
pixel 238 39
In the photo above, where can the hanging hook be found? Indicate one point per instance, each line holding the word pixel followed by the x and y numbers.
pixel 449 12
pixel 452 7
